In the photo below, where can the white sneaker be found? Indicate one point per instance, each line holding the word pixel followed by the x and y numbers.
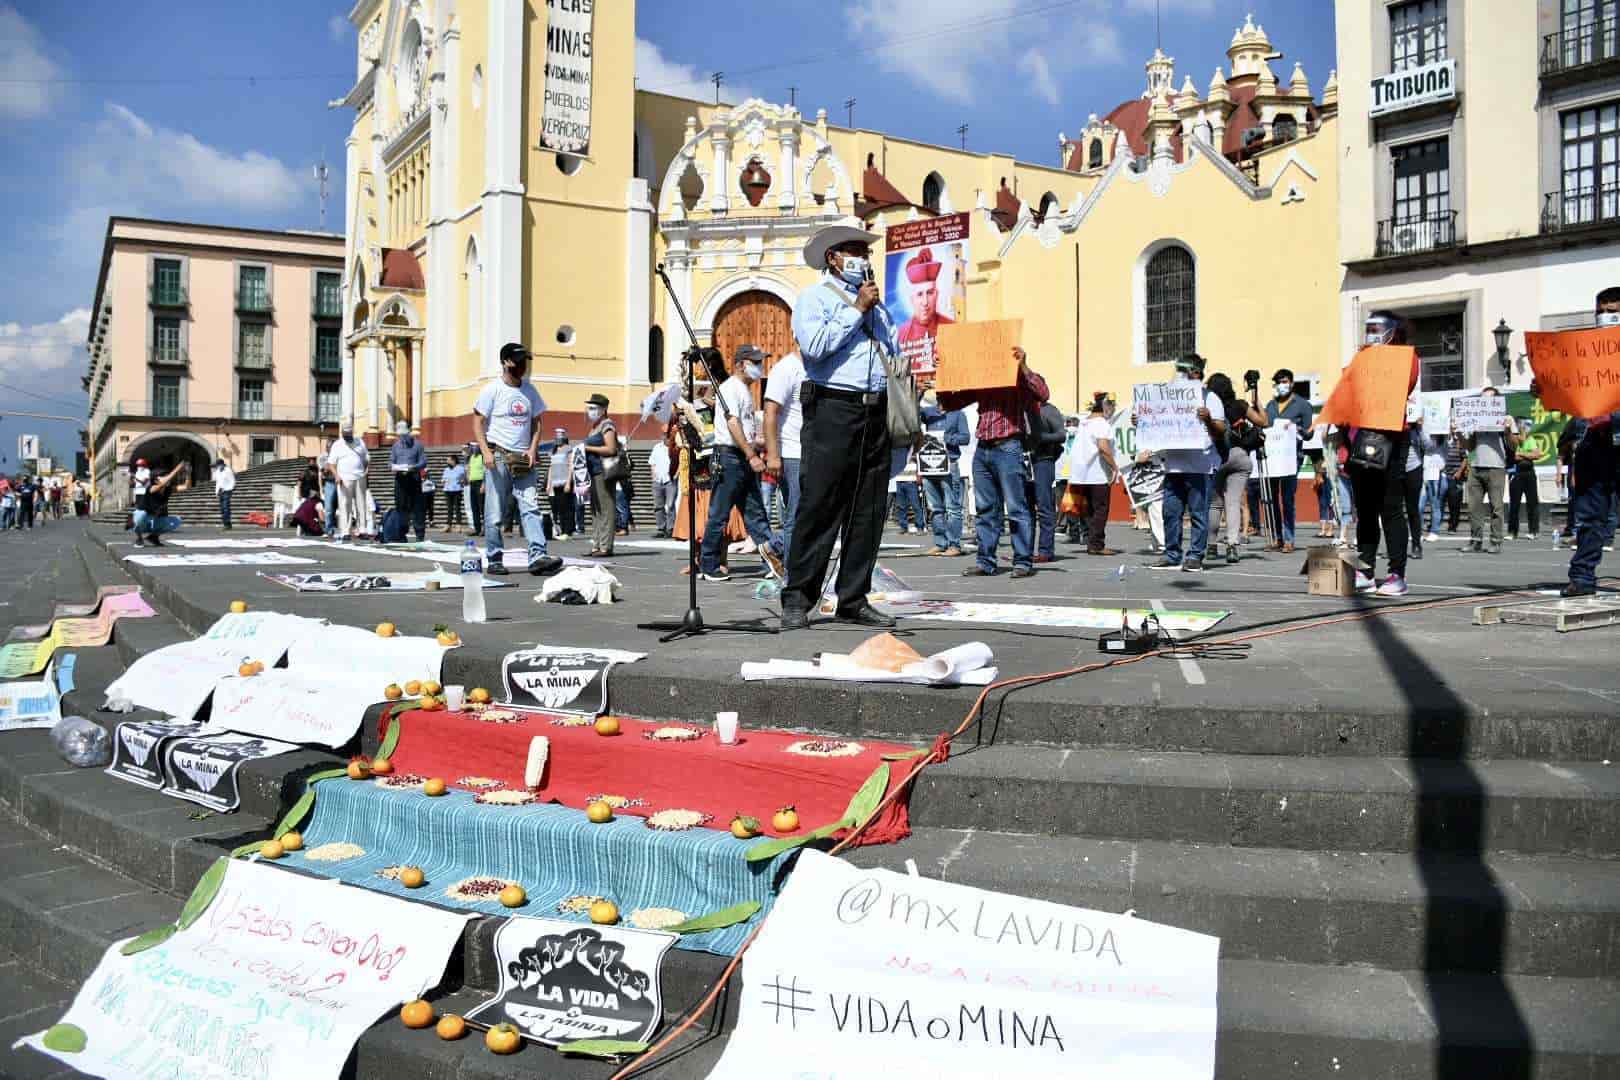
pixel 1430 538
pixel 1363 582
pixel 1394 585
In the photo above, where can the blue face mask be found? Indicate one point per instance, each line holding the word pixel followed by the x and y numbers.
pixel 853 269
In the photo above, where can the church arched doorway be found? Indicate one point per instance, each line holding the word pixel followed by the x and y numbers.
pixel 757 318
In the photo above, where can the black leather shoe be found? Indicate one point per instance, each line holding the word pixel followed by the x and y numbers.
pixel 978 571
pixel 545 566
pixel 496 569
pixel 1573 590
pixel 867 616
pixel 794 619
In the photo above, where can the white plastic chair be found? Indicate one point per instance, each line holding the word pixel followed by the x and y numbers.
pixel 283 501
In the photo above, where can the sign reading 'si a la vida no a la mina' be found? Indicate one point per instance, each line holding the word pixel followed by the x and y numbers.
pixel 1434 81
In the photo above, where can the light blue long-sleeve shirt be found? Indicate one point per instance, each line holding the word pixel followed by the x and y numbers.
pixel 836 351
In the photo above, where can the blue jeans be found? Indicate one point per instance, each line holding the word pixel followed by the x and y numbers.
pixel 7 517
pixel 621 507
pixel 499 485
pixel 1186 493
pixel 225 509
pixel 151 526
pixel 1324 499
pixel 1283 490
pixel 999 485
pixel 329 497
pixel 945 507
pixel 908 510
pixel 1045 505
pixel 738 485
pixel 789 488
pixel 1591 507
pixel 1432 507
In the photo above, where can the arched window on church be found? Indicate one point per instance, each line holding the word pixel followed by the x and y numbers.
pixel 1170 305
pixel 1096 159
pixel 933 191
pixel 655 356
pixel 1285 129
pixel 473 275
pixel 1047 205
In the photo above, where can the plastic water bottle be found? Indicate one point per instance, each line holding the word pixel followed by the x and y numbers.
pixel 1558 535
pixel 472 583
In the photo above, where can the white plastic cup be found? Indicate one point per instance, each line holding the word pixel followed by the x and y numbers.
pixel 453 697
pixel 725 723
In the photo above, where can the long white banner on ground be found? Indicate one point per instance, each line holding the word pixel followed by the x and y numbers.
pixel 177 679
pixel 860 973
pixel 278 977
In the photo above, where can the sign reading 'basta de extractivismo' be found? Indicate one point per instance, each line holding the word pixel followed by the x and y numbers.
pixel 566 116
pixel 867 973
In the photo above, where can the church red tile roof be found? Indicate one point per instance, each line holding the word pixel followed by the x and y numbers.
pixel 401 270
pixel 1007 207
pixel 876 189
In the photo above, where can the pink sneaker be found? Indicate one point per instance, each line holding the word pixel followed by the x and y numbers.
pixel 1394 585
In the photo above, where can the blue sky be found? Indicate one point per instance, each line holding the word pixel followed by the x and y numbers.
pixel 216 112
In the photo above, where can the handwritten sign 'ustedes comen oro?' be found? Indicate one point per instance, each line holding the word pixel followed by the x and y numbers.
pixel 278 978
pixel 862 973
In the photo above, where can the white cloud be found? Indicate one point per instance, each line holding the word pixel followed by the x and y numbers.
pixel 145 168
pixel 1041 83
pixel 659 74
pixel 47 359
pixel 24 68
pixel 337 27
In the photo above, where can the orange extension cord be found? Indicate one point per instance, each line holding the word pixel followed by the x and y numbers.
pixel 644 1059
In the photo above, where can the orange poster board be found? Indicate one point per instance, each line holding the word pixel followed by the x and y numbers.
pixel 1372 391
pixel 977 355
pixel 1578 370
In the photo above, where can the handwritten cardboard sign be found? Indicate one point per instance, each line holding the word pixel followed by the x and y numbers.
pixel 177 679
pixel 1167 415
pixel 1478 412
pixel 1372 391
pixel 316 707
pixel 977 355
pixel 278 977
pixel 1578 370
pixel 873 973
pixel 562 982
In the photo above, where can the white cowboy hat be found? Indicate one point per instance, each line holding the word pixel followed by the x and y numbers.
pixel 815 252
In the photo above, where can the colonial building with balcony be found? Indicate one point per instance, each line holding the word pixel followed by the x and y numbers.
pixel 212 342
pixel 1479 174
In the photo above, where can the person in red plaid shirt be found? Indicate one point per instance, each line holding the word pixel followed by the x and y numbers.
pixel 1000 468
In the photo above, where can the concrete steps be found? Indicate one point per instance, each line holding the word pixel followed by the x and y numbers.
pixel 1381 915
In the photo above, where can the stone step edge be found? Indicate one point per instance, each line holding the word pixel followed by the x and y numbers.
pixel 904 715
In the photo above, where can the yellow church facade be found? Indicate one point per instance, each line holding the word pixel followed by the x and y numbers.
pixel 1179 222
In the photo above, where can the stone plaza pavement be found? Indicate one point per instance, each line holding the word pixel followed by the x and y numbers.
pixel 1403 827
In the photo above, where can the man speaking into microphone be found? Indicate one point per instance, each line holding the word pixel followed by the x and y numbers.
pixel 842 330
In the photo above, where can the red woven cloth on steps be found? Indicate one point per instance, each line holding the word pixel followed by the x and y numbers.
pixel 755 777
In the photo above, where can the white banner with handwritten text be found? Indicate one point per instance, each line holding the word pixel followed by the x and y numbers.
pixel 862 973
pixel 1167 416
pixel 278 978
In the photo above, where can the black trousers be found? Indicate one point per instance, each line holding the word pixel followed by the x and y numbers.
pixel 477 489
pixel 1454 502
pixel 408 498
pixel 1380 497
pixel 1414 494
pixel 843 487
pixel 1523 486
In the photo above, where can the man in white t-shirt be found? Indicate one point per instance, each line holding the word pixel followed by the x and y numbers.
pixel 509 411
pixel 346 464
pixel 1187 479
pixel 738 465
pixel 784 416
pixel 1091 469
pixel 666 492
pixel 224 484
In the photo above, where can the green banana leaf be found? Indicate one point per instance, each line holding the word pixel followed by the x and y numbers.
pixel 718 920
pixel 769 849
pixel 390 740
pixel 203 894
pixel 249 849
pixel 906 755
pixel 865 802
pixel 602 1048
pixel 300 810
pixel 149 939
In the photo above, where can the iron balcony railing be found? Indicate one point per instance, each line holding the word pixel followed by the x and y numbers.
pixel 1416 235
pixel 327 363
pixel 253 301
pixel 1576 47
pixel 167 296
pixel 1580 208
pixel 169 407
pixel 169 356
pixel 328 305
pixel 254 359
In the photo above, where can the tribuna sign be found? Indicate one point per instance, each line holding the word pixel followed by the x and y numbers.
pixel 1407 89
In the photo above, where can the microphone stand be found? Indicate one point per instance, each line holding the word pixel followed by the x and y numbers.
pixel 691 624
pixel 1270 513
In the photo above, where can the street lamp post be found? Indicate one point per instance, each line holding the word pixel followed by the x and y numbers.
pixel 1504 334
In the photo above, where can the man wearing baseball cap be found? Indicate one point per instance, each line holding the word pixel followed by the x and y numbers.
pixel 843 332
pixel 740 465
pixel 508 426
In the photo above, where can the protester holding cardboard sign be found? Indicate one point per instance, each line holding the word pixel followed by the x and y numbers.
pixel 1007 414
pixel 1190 459
pixel 1493 448
pixel 1579 372
pixel 1370 401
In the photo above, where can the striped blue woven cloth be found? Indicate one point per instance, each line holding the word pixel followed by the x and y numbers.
pixel 553 851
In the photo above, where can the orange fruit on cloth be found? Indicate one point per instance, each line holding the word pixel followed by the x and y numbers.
pixel 416 1014
pixel 393 692
pixel 381 767
pixel 412 877
pixel 359 770
pixel 273 849
pixel 607 725
pixel 431 687
pixel 604 913
pixel 744 827
pixel 503 1039
pixel 434 787
pixel 785 820
pixel 450 1027
pixel 292 841
pixel 386 629
pixel 599 811
pixel 513 896
pixel 414 687
pixel 478 696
